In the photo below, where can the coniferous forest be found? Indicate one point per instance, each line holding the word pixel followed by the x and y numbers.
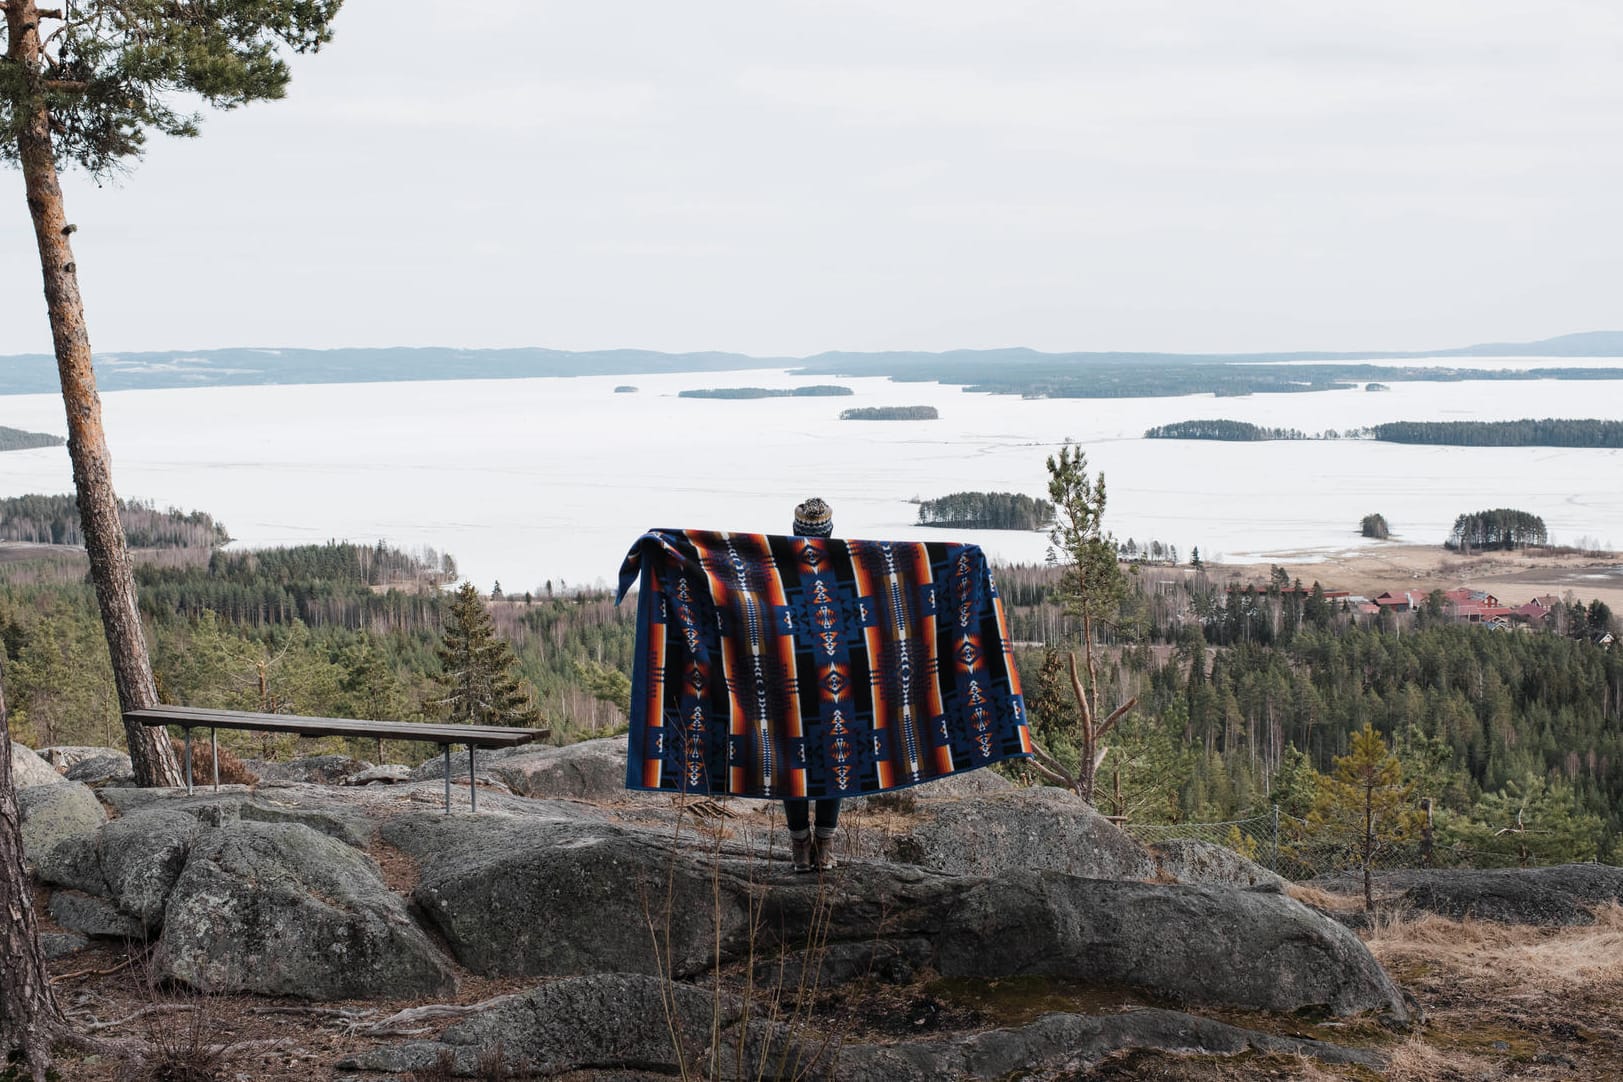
pixel 987 511
pixel 1244 690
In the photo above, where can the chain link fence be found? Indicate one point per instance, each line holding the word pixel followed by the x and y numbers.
pixel 1299 850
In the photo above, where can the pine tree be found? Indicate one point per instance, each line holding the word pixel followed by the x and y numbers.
pixel 84 90
pixel 1366 803
pixel 1092 587
pixel 478 677
pixel 1529 821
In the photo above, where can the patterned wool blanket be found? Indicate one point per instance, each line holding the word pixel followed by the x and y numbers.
pixel 809 667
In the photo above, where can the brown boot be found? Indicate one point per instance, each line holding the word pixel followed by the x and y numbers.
pixel 822 854
pixel 800 852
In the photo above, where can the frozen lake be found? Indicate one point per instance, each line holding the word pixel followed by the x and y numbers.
pixel 529 480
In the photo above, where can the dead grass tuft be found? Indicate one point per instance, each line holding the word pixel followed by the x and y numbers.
pixel 1324 899
pixel 1544 959
pixel 1308 1069
pixel 1416 1061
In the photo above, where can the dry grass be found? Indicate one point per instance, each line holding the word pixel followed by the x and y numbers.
pixel 1508 1001
pixel 1416 1061
pixel 1541 959
pixel 1323 899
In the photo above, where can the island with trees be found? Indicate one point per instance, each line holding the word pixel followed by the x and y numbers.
pixel 1501 528
pixel 625 388
pixel 987 511
pixel 1549 432
pixel 816 390
pixel 15 439
pixel 1221 429
pixel 1374 526
pixel 891 413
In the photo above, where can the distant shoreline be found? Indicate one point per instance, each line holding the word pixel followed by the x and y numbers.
pixel 1373 569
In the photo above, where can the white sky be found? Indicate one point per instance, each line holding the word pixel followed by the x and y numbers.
pixel 793 176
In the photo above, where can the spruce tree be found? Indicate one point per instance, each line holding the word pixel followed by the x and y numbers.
pixel 478 677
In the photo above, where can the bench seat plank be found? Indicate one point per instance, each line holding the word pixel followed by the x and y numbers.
pixel 474 736
pixel 193 717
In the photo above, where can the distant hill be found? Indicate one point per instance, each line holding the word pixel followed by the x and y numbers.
pixel 36 373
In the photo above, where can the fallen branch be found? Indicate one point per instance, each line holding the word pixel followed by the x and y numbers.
pixel 156 1008
pixel 341 1014
pixel 125 964
pixel 395 1025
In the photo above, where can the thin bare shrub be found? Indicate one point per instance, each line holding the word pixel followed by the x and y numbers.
pixel 770 1033
pixel 181 1046
pixel 233 771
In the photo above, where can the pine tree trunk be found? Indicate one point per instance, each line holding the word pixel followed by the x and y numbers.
pixel 29 1015
pixel 150 754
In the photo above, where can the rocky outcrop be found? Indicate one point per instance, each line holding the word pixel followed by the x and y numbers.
pixel 110 769
pixel 387 774
pixel 560 1028
pixel 1191 861
pixel 318 808
pixel 280 909
pixel 574 896
pixel 29 770
pixel 318 769
pixel 590 770
pixel 52 814
pixel 131 863
pixel 65 756
pixel 1564 894
pixel 1021 829
pixel 95 917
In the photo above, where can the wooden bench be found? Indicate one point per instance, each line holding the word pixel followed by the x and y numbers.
pixel 474 736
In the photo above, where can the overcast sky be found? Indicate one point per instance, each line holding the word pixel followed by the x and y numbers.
pixel 789 177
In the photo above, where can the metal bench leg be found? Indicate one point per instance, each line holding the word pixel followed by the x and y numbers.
pixel 214 740
pixel 473 792
pixel 446 748
pixel 188 732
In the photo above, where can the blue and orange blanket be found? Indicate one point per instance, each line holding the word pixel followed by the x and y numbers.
pixel 810 667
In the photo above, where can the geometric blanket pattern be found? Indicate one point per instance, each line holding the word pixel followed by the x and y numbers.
pixel 771 666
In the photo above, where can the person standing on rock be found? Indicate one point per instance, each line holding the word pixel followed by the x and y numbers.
pixel 812 851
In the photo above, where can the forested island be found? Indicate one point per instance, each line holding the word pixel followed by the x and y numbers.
pixel 1501 528
pixel 986 511
pixel 891 413
pixel 15 439
pixel 625 388
pixel 1549 432
pixel 817 390
pixel 1218 429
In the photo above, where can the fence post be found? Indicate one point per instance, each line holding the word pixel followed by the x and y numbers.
pixel 1274 867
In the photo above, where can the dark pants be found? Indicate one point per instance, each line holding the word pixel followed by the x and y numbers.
pixel 797 816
